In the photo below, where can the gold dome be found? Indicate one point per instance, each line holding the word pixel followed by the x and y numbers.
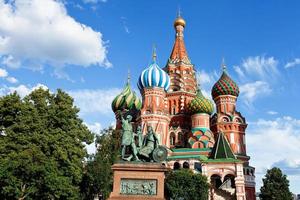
pixel 179 21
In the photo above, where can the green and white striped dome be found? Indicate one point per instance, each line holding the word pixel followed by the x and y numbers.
pixel 127 100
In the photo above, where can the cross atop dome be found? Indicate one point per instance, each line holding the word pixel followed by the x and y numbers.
pixel 223 65
pixel 154 56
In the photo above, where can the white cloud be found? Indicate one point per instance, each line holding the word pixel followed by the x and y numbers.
pixel 251 91
pixel 94 1
pixel 239 71
pixel 270 142
pixel 94 101
pixel 22 90
pixel 257 68
pixel 293 63
pixel 205 78
pixel 3 73
pixel 272 112
pixel 9 61
pixel 34 33
pixel 12 79
pixel 96 127
pixel 124 23
pixel 206 81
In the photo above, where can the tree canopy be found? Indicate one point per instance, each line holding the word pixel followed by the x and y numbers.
pixel 183 184
pixel 275 186
pixel 42 146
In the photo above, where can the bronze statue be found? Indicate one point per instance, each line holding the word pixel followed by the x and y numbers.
pixel 149 144
pixel 148 149
pixel 128 138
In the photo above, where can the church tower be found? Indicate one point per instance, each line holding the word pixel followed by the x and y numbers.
pixel 183 86
pixel 227 119
pixel 200 109
pixel 153 84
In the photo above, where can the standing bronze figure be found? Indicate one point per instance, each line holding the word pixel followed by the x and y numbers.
pixel 128 139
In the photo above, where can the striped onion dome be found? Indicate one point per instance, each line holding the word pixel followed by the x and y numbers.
pixel 154 76
pixel 200 104
pixel 126 100
pixel 225 86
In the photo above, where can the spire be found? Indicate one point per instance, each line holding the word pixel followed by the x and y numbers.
pixel 179 52
pixel 221 149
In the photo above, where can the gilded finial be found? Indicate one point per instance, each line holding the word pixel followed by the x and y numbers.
pixel 154 53
pixel 179 20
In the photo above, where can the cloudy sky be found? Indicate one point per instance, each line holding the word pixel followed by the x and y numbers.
pixel 86 48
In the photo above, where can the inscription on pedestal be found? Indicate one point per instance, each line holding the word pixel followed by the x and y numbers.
pixel 138 187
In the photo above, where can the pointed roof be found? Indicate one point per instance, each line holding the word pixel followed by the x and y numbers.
pixel 221 149
pixel 179 52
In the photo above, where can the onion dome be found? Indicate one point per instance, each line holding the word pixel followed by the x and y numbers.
pixel 126 100
pixel 200 104
pixel 225 86
pixel 154 76
pixel 179 21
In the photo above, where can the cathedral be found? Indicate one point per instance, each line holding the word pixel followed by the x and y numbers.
pixel 204 137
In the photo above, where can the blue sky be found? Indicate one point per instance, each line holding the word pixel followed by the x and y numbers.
pixel 86 48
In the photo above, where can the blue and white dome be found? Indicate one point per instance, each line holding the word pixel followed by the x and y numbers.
pixel 154 76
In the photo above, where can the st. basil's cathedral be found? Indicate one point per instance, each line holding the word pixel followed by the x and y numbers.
pixel 208 142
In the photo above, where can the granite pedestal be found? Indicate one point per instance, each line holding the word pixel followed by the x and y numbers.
pixel 138 181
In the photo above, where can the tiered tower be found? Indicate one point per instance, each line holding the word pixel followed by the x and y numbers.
pixel 153 84
pixel 200 109
pixel 183 87
pixel 227 119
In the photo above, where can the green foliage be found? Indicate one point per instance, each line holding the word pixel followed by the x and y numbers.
pixel 42 146
pixel 185 185
pixel 275 186
pixel 98 178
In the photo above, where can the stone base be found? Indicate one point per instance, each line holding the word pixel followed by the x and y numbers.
pixel 138 181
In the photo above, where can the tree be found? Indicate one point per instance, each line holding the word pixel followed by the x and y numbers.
pixel 275 186
pixel 98 178
pixel 42 146
pixel 185 185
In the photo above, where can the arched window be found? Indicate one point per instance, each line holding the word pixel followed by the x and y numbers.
pixel 215 181
pixel 176 166
pixel 186 165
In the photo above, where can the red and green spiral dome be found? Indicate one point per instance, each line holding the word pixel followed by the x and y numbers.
pixel 225 86
pixel 200 104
